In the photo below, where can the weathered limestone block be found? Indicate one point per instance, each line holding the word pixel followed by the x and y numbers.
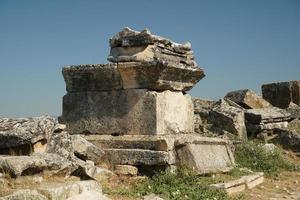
pixel 281 94
pixel 126 170
pixel 152 62
pixel 288 139
pixel 25 194
pixel 95 77
pixel 91 190
pixel 156 143
pixel 86 150
pixel 159 76
pixel 266 115
pixel 140 157
pixel 204 155
pixel 239 185
pixel 129 45
pixel 294 110
pixel 134 111
pixel 258 120
pixel 25 131
pixel 229 118
pixel 247 99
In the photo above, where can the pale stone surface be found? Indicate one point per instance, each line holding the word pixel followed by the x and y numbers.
pixel 281 94
pixel 155 142
pixel 247 99
pixel 158 76
pixel 140 157
pixel 71 190
pixel 204 154
pixel 134 111
pixel 229 118
pixel 294 110
pixel 239 185
pixel 25 194
pixel 126 170
pixel 86 150
pixel 97 173
pixel 258 120
pixel 129 45
pixel 25 131
pixel 96 77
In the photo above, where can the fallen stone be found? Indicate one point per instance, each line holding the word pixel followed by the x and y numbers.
pixel 72 190
pixel 134 112
pixel 159 76
pixel 288 139
pixel 229 118
pixel 259 120
pixel 25 131
pixel 25 194
pixel 247 99
pixel 126 170
pixel 16 165
pixel 88 169
pixel 239 185
pixel 97 77
pixel 281 94
pixel 294 110
pixel 204 154
pixel 86 150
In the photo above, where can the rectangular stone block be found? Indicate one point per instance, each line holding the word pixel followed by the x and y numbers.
pixel 281 94
pixel 205 155
pixel 133 111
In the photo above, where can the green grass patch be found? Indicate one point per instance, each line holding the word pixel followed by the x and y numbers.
pixel 183 185
pixel 254 156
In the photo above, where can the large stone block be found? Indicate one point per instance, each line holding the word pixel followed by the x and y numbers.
pixel 281 94
pixel 229 118
pixel 96 77
pixel 159 75
pixel 133 111
pixel 205 155
pixel 247 99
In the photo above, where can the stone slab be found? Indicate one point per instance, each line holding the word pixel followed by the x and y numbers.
pixel 205 155
pixel 281 94
pixel 140 157
pixel 247 99
pixel 133 111
pixel 92 77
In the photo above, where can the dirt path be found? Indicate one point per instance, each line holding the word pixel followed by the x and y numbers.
pixel 286 186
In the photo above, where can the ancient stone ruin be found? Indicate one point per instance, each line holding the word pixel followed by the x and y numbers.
pixel 133 116
pixel 137 109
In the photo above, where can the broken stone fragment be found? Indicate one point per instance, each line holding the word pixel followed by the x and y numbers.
pixel 288 139
pixel 258 120
pixel 86 150
pixel 247 99
pixel 281 94
pixel 134 112
pixel 25 132
pixel 126 170
pixel 204 155
pixel 294 110
pixel 25 194
pixel 129 45
pixel 229 118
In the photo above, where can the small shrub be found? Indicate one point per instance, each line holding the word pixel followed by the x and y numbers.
pixel 255 157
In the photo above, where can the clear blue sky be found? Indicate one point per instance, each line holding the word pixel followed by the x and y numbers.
pixel 240 44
